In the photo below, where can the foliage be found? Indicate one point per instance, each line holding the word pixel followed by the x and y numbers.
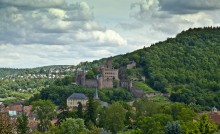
pixel 143 86
pixel 205 125
pixel 115 94
pixel 91 111
pixel 79 112
pixel 45 111
pixel 173 128
pixel 186 66
pixel 180 111
pixel 11 71
pixel 59 94
pixel 146 108
pixel 22 125
pixel 72 126
pixel 65 114
pixel 133 131
pixel 114 118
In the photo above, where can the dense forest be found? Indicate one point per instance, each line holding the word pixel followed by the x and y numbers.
pixel 187 66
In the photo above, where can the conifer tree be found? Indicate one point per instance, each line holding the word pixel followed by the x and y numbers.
pixel 22 124
pixel 90 113
pixel 79 110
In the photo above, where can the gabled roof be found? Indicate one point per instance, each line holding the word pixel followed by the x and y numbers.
pixel 78 96
pixel 17 108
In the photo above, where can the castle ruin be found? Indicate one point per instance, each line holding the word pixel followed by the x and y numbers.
pixel 105 79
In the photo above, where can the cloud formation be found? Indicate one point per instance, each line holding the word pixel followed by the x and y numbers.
pixel 67 32
pixel 188 6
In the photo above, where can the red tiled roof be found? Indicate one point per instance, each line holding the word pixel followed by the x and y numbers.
pixel 27 110
pixel 33 124
pixel 17 108
pixel 215 117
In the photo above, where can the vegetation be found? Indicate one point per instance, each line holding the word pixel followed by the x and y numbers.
pixel 72 126
pixel 143 86
pixel 115 117
pixel 22 123
pixel 187 66
pixel 45 111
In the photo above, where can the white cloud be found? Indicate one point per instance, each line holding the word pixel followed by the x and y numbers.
pixel 107 37
pixel 30 4
pixel 39 32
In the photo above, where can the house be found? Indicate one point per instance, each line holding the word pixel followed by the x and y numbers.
pixel 16 107
pixel 75 98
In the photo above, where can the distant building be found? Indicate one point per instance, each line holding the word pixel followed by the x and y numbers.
pixel 105 79
pixel 214 110
pixel 108 74
pixel 75 98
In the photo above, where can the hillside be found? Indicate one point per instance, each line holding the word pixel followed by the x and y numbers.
pixel 187 66
pixel 11 71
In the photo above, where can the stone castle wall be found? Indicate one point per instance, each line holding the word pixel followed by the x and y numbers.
pixel 91 83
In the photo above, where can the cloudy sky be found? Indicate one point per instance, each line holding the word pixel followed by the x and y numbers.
pixel 65 32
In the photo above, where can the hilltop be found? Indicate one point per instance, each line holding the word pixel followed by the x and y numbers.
pixel 187 66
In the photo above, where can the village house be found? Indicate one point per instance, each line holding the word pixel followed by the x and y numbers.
pixel 75 98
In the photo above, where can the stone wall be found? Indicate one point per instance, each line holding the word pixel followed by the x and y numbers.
pixel 91 83
pixel 126 84
pixel 105 83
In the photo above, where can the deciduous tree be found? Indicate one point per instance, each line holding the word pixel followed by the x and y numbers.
pixel 45 111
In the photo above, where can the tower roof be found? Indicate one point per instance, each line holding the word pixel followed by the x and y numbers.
pixel 79 96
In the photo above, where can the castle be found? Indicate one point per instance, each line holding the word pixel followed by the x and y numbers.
pixel 105 79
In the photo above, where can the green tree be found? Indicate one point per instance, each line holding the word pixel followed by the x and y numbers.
pixel 79 112
pixel 133 131
pixel 45 111
pixel 173 128
pixel 115 117
pixel 22 125
pixel 149 125
pixel 90 113
pixel 66 114
pixel 90 75
pixel 73 126
pixel 205 125
pixel 146 108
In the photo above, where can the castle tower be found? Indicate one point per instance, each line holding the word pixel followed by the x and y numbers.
pixel 109 63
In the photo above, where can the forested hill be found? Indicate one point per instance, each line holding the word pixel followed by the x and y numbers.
pixel 187 66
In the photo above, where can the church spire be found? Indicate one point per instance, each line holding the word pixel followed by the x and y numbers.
pixel 96 96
